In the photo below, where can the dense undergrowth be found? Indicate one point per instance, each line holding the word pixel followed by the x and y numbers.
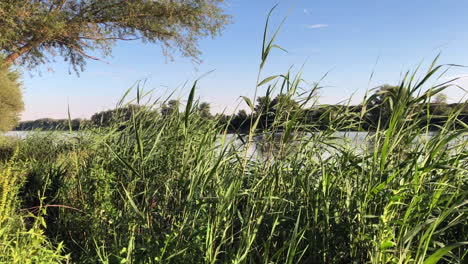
pixel 177 189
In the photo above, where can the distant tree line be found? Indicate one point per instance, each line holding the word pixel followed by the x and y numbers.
pixel 110 117
pixel 267 112
pixel 352 117
pixel 51 124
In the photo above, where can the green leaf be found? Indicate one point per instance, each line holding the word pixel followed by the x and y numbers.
pixel 386 245
pixel 249 102
pixel 122 99
pixel 268 79
pixel 279 47
pixel 188 108
pixel 125 163
pixel 69 120
pixel 289 128
pixel 434 258
pixel 132 203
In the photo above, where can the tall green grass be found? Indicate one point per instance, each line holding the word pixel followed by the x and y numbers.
pixel 177 189
pixel 22 238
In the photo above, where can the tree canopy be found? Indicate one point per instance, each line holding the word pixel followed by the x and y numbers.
pixel 11 102
pixel 382 102
pixel 204 110
pixel 34 31
pixel 440 98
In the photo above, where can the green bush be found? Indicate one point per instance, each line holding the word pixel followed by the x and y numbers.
pixel 11 100
pixel 22 238
pixel 7 147
pixel 175 188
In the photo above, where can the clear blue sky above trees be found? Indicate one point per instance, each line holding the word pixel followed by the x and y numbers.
pixel 348 38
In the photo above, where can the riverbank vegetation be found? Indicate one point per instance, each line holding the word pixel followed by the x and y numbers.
pixel 174 188
pixel 160 186
pixel 317 116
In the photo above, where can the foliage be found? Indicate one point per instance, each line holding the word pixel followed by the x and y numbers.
pixel 176 188
pixel 204 110
pixel 268 109
pixel 22 238
pixel 11 101
pixel 441 108
pixel 164 188
pixel 51 124
pixel 171 107
pixel 106 118
pixel 381 103
pixel 7 147
pixel 319 116
pixel 31 30
pixel 440 99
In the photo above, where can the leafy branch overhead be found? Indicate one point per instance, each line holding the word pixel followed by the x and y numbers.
pixel 34 31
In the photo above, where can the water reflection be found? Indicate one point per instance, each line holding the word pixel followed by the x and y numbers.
pixel 267 146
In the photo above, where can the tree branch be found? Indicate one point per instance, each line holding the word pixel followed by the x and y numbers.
pixel 24 49
pixel 81 52
pixel 111 38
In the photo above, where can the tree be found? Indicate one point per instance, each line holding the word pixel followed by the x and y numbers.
pixel 275 110
pixel 284 104
pixel 240 121
pixel 263 105
pixel 263 110
pixel 440 98
pixel 204 110
pixel 171 108
pixel 440 106
pixel 114 116
pixel 11 102
pixel 384 94
pixel 31 30
pixel 382 102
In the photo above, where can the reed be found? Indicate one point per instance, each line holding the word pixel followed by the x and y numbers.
pixel 176 188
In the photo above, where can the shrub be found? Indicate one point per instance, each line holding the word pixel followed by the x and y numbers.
pixel 7 147
pixel 22 238
pixel 11 102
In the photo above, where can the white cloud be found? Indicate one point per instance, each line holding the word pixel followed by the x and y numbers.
pixel 315 26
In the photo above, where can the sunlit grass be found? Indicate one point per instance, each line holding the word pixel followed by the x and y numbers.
pixel 176 189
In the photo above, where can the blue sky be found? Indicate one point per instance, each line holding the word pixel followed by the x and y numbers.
pixel 348 39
